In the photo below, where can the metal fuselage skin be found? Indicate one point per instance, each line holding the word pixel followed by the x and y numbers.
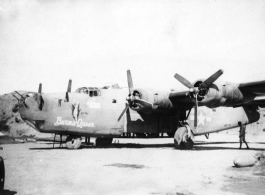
pixel 97 116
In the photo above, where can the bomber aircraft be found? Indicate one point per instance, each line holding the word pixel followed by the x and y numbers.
pixel 106 113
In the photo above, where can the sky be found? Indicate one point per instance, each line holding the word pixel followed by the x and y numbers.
pixel 94 42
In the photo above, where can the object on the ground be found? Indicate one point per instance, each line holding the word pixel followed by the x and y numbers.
pixel 1 134
pixel 31 140
pixel 19 140
pixel 245 161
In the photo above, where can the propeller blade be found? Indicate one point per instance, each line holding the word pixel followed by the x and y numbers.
pixel 40 88
pixel 211 79
pixel 183 81
pixel 69 86
pixel 130 82
pixel 144 103
pixel 126 108
pixel 196 113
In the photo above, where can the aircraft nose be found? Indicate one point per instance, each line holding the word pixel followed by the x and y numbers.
pixel 30 106
pixel 32 102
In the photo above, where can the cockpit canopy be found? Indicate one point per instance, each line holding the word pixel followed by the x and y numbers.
pixel 91 91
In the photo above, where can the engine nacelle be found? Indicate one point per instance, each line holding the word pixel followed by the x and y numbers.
pixel 221 95
pixel 158 99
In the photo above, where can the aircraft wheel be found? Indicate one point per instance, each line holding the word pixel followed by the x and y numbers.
pixel 187 142
pixel 181 139
pixel 2 174
pixel 73 142
pixel 103 141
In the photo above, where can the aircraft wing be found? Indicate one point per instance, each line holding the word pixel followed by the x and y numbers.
pixel 181 97
pixel 255 88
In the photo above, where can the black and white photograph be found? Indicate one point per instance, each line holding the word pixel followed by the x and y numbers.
pixel 132 97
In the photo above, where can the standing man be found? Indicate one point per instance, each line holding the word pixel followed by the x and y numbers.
pixel 242 133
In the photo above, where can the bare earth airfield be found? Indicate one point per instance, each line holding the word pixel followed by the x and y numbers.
pixel 135 166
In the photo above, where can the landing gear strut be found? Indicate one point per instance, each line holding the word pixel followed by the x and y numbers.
pixel 183 138
pixel 73 142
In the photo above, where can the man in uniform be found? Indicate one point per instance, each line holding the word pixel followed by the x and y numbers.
pixel 242 133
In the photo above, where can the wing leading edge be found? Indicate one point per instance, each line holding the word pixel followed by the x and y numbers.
pixel 255 88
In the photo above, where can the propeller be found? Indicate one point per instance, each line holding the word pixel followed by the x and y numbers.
pixel 39 97
pixel 126 108
pixel 130 98
pixel 133 100
pixel 211 79
pixel 196 90
pixel 183 81
pixel 40 88
pixel 130 82
pixel 69 86
pixel 196 112
pixel 68 90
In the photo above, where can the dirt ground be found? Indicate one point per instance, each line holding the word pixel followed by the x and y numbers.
pixel 134 166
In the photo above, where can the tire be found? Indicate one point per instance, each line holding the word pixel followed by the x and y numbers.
pixel 103 141
pixel 181 139
pixel 2 174
pixel 188 144
pixel 73 142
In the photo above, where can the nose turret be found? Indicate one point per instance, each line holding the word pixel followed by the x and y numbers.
pixel 30 107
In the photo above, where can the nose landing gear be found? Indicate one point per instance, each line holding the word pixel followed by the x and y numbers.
pixel 73 142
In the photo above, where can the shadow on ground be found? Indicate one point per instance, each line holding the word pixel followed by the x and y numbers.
pixel 201 146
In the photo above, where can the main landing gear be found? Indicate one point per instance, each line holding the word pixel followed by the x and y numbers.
pixel 74 142
pixel 183 138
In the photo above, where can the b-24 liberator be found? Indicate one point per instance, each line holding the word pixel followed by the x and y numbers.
pixel 106 113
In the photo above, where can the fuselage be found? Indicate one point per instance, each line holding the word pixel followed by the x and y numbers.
pixel 97 115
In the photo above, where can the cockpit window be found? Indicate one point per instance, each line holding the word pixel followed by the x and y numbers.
pixel 91 91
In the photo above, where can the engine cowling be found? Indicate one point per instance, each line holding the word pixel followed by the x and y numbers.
pixel 158 99
pixel 221 95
